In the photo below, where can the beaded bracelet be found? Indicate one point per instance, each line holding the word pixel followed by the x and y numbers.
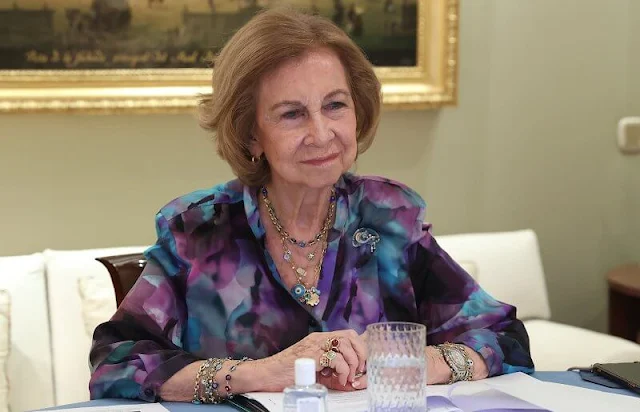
pixel 228 377
pixel 211 387
pixel 207 384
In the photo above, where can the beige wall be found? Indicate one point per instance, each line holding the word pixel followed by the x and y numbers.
pixel 531 144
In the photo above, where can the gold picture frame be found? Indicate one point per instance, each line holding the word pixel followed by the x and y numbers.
pixel 431 83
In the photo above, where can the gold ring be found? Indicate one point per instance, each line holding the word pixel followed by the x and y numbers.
pixel 332 344
pixel 326 358
pixel 359 375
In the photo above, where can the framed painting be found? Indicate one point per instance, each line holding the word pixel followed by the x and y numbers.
pixel 153 55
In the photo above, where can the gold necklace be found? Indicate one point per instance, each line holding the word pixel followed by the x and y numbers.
pixel 307 293
pixel 288 254
pixel 281 230
pixel 304 292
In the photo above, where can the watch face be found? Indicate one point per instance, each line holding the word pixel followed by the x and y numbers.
pixel 457 358
pixel 461 365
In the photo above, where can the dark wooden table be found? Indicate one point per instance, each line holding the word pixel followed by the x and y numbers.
pixel 624 301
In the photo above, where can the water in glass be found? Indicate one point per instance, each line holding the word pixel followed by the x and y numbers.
pixel 396 367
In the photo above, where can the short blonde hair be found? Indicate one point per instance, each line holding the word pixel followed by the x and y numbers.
pixel 265 42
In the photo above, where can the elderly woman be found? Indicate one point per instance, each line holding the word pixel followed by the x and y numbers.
pixel 297 256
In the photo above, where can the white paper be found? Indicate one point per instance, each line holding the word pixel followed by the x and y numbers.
pixel 563 398
pixel 143 407
pixel 552 396
pixel 357 401
pixel 337 401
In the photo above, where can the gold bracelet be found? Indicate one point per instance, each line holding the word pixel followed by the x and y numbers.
pixel 196 387
pixel 206 381
pixel 205 389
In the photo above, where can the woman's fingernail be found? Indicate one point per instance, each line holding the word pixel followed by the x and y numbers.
pixel 355 383
pixel 335 375
pixel 325 372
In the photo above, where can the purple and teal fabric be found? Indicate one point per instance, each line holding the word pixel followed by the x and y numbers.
pixel 211 289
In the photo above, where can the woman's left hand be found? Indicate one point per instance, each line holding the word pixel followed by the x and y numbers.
pixel 440 372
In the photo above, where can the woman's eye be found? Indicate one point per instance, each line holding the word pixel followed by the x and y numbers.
pixel 292 114
pixel 335 105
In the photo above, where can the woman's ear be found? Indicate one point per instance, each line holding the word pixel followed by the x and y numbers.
pixel 255 147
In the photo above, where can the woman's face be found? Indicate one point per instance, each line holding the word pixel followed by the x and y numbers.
pixel 305 121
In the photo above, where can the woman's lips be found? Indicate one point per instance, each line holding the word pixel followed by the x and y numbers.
pixel 319 161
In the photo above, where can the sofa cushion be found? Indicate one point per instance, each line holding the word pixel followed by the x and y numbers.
pixel 97 299
pixel 557 347
pixel 25 349
pixel 80 297
pixel 508 266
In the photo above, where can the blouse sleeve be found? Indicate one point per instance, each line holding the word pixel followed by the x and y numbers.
pixel 456 309
pixel 140 347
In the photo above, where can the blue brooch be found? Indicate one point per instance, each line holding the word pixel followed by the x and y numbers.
pixel 364 236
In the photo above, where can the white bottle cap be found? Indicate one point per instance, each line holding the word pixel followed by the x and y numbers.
pixel 305 370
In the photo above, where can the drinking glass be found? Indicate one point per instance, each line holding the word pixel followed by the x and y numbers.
pixel 396 367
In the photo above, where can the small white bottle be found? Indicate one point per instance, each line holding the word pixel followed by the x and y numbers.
pixel 306 395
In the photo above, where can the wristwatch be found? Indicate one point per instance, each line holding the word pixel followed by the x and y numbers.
pixel 458 360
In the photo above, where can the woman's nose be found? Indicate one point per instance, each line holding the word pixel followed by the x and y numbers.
pixel 320 132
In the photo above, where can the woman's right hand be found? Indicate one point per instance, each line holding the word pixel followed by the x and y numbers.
pixel 345 368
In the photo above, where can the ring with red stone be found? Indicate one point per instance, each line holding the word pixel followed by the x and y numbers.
pixel 332 344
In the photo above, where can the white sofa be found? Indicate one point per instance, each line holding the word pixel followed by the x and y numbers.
pixel 80 296
pixel 26 381
pixel 52 301
pixel 509 267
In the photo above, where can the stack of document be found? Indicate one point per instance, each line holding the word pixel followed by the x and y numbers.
pixel 513 392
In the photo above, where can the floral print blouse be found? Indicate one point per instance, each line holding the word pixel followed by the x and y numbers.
pixel 211 289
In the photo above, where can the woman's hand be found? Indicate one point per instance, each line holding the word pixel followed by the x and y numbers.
pixel 345 371
pixel 330 379
pixel 276 372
